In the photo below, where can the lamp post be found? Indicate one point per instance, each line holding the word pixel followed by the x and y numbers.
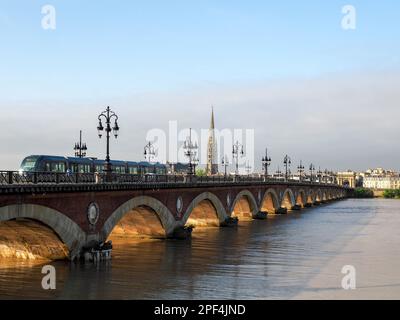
pixel 300 168
pixel 236 150
pixel 108 116
pixel 266 162
pixel 80 148
pixel 191 153
pixel 287 162
pixel 319 174
pixel 312 169
pixel 225 164
pixel 149 152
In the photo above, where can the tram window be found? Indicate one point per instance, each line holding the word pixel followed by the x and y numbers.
pixel 99 168
pixel 47 167
pixel 119 169
pixel 133 170
pixel 29 164
pixel 160 171
pixel 84 168
pixel 57 167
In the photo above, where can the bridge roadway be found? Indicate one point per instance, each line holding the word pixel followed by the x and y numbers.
pixel 84 209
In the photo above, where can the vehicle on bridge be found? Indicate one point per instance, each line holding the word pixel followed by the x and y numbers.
pixel 59 164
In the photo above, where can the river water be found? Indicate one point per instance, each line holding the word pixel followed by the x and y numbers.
pixel 297 256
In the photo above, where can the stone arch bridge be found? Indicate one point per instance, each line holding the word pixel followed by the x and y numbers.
pixel 83 215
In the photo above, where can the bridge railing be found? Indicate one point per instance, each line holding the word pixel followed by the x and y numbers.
pixel 35 178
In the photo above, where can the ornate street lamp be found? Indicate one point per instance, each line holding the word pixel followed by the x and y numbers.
pixel 236 150
pixel 80 148
pixel 149 152
pixel 312 169
pixel 108 116
pixel 266 162
pixel 191 153
pixel 287 162
pixel 300 169
pixel 319 174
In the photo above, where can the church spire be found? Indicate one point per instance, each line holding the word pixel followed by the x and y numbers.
pixel 212 161
pixel 212 126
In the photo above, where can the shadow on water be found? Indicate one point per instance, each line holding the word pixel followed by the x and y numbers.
pixel 256 260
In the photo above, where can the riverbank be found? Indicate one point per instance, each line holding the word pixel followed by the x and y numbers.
pixel 378 193
pixel 373 251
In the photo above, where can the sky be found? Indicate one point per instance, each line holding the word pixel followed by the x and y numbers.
pixel 285 69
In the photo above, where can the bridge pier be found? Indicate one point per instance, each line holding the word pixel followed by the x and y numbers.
pixel 296 207
pixel 182 233
pixel 281 211
pixel 230 222
pixel 261 215
pixel 308 205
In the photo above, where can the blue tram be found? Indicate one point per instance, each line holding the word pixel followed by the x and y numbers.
pixel 42 163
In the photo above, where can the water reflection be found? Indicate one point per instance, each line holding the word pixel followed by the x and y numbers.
pixel 257 260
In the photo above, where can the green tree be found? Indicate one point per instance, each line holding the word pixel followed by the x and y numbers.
pixel 363 193
pixel 201 172
pixel 391 194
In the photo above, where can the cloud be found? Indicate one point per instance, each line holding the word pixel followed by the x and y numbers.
pixel 336 121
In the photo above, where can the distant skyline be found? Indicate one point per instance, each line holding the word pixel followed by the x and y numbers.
pixel 286 69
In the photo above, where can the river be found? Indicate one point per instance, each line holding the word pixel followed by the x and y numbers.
pixel 296 256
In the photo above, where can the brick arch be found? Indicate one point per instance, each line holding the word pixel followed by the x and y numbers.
pixel 292 199
pixel 271 195
pixel 213 199
pixel 67 230
pixel 250 200
pixel 166 218
pixel 311 196
pixel 303 197
pixel 318 195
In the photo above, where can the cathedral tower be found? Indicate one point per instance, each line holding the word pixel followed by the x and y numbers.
pixel 212 154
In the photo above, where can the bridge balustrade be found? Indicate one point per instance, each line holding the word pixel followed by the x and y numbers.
pixel 45 178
